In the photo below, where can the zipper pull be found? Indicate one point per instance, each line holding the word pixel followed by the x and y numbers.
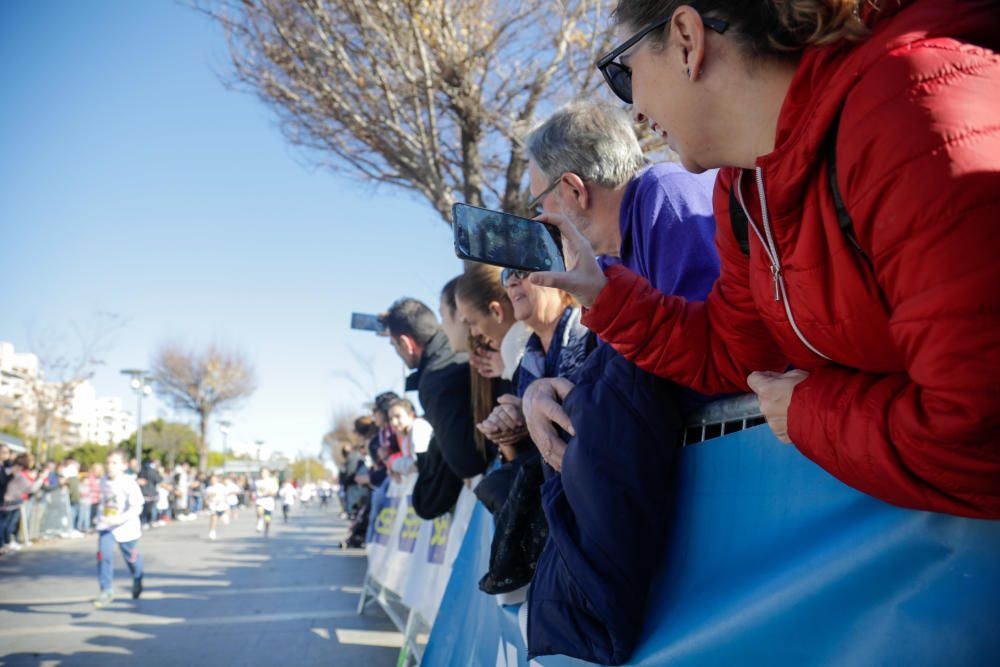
pixel 776 273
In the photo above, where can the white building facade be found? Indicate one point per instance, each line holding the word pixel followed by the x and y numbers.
pixel 87 417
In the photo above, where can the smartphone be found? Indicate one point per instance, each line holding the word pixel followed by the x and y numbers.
pixel 367 322
pixel 502 239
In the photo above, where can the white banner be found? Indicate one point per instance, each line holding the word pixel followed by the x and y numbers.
pixel 412 557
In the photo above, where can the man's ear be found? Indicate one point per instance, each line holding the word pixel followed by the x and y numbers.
pixel 574 191
pixel 496 310
pixel 408 344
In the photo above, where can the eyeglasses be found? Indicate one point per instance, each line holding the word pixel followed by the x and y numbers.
pixel 535 204
pixel 512 274
pixel 619 76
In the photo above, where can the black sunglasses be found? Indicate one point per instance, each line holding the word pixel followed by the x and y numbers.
pixel 619 76
pixel 510 274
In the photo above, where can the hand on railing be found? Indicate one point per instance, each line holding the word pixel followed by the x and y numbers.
pixel 774 390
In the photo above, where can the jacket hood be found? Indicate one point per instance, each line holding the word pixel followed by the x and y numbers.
pixel 824 77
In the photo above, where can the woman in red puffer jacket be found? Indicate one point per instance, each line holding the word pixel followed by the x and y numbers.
pixel 862 161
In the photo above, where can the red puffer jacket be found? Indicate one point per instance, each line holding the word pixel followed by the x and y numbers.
pixel 903 396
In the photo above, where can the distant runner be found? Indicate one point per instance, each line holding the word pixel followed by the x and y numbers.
pixel 265 489
pixel 217 499
pixel 287 500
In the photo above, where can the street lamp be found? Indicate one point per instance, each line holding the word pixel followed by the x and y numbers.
pixel 224 430
pixel 260 445
pixel 140 385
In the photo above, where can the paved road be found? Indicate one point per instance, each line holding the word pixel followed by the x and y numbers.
pixel 241 600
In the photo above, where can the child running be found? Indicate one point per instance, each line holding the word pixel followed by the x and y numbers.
pixel 118 521
pixel 287 500
pixel 217 499
pixel 232 498
pixel 265 489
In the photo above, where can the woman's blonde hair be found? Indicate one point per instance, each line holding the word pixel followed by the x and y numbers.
pixel 480 285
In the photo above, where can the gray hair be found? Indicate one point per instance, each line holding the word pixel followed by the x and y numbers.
pixel 595 141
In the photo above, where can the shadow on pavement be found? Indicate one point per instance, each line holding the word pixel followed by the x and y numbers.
pixel 241 600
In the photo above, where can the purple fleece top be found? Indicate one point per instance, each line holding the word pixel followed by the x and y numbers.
pixel 668 238
pixel 668 230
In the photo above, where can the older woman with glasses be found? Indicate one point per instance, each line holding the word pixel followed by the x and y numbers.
pixel 856 223
pixel 558 345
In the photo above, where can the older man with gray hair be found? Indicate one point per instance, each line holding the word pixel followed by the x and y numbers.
pixel 605 507
pixel 585 163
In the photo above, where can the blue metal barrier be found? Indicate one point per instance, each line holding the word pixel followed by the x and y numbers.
pixel 774 562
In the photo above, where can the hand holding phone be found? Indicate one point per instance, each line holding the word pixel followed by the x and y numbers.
pixel 584 279
pixel 367 322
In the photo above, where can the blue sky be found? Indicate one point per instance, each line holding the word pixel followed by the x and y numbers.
pixel 133 181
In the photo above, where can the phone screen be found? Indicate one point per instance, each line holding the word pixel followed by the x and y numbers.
pixel 494 237
pixel 367 322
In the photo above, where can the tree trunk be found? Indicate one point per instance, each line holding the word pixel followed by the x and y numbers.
pixel 203 445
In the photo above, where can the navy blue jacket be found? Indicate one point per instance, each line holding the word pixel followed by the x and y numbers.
pixel 606 512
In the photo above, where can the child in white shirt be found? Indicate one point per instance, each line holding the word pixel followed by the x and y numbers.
pixel 287 499
pixel 265 489
pixel 118 522
pixel 217 499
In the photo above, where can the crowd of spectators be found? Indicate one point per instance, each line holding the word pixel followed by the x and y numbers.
pixel 826 242
pixel 60 499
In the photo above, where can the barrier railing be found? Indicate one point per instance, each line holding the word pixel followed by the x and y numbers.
pixel 771 561
pixel 44 515
pixel 722 417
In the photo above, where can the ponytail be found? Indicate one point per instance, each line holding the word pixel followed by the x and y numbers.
pixel 804 23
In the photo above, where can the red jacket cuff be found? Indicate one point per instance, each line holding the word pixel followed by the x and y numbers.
pixel 610 299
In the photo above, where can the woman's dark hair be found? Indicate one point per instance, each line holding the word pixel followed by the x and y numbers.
pixel 383 401
pixel 365 427
pixel 773 28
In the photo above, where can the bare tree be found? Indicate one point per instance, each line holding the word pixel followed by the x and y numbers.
pixel 341 434
pixel 63 365
pixel 363 377
pixel 427 95
pixel 202 382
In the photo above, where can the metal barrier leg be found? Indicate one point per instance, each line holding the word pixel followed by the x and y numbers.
pixel 363 601
pixel 409 654
pixel 27 512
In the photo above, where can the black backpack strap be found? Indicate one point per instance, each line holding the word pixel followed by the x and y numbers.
pixel 843 217
pixel 740 224
pixel 738 219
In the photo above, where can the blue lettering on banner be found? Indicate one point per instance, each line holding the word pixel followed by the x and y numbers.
pixel 385 521
pixel 439 539
pixel 411 528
